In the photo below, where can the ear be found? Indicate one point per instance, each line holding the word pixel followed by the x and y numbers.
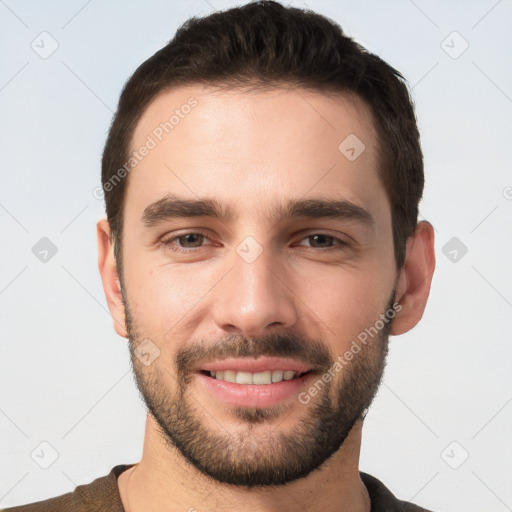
pixel 414 279
pixel 110 277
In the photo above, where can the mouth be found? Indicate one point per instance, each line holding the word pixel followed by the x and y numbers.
pixel 258 379
pixel 261 382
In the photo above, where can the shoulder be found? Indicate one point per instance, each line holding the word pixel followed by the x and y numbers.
pixel 382 499
pixel 62 503
pixel 102 494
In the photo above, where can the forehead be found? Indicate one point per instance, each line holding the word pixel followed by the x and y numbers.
pixel 251 147
pixel 215 111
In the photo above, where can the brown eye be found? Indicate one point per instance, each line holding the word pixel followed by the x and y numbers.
pixel 186 242
pixel 325 241
pixel 191 238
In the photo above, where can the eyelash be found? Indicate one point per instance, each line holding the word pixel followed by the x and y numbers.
pixel 341 245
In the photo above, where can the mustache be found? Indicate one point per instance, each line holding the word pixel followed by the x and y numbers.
pixel 312 352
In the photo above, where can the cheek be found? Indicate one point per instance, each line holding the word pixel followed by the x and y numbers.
pixel 164 298
pixel 343 303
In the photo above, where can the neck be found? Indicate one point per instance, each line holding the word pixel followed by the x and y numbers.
pixel 164 480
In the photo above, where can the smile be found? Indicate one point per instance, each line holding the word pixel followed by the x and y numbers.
pixel 259 378
pixel 248 382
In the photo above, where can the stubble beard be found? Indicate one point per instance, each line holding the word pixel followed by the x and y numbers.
pixel 250 455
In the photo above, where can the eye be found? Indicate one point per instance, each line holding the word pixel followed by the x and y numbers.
pixel 191 240
pixel 324 238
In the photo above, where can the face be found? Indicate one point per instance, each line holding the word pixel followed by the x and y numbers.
pixel 257 257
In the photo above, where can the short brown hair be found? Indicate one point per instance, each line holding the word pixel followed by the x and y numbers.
pixel 263 44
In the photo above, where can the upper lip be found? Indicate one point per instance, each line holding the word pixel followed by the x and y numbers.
pixel 251 365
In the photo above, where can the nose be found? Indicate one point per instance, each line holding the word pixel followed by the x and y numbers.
pixel 255 296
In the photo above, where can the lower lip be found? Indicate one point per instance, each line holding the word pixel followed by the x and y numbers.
pixel 252 395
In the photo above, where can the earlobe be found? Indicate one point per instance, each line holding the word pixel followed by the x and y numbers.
pixel 110 278
pixel 415 278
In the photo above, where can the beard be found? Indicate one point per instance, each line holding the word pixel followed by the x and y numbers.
pixel 257 453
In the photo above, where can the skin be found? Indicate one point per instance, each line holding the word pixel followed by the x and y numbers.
pixel 251 151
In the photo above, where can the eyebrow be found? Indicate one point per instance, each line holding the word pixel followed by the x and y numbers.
pixel 172 207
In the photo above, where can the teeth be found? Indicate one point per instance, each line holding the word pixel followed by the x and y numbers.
pixel 277 375
pixel 260 378
pixel 243 378
pixel 229 375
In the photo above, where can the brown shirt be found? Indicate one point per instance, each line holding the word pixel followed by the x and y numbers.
pixel 102 495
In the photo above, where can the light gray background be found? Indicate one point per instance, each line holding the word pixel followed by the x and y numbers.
pixel 65 375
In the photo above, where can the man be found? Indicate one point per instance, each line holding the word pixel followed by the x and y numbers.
pixel 262 177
